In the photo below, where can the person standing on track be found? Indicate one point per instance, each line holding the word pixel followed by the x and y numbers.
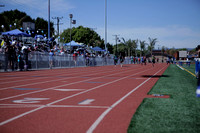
pixel 51 58
pixel 145 60
pixel 75 58
pixel 131 59
pixel 115 60
pixel 138 60
pixel 153 60
pixel 142 60
pixel 168 60
pixel 121 60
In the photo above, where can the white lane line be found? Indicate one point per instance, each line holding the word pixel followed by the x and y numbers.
pixel 50 106
pixel 19 75
pixel 48 81
pixel 31 111
pixel 69 89
pixel 180 67
pixel 60 85
pixel 45 81
pixel 100 118
pixel 21 115
pixel 75 106
pixel 43 74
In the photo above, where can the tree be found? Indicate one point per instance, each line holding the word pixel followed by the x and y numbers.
pixel 121 49
pixel 142 47
pixel 41 26
pixel 14 19
pixel 83 35
pixel 172 51
pixel 134 46
pixel 163 51
pixel 152 43
pixel 110 48
pixel 131 47
pixel 125 43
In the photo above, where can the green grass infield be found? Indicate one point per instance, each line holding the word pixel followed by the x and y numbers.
pixel 178 114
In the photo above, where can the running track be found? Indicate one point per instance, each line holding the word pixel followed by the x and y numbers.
pixel 77 100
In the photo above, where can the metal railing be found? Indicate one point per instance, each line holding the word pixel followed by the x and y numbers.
pixel 40 60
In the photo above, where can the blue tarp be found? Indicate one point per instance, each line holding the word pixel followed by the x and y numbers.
pixel 97 49
pixel 16 32
pixel 73 44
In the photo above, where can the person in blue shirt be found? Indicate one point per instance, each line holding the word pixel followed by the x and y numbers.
pixel 51 54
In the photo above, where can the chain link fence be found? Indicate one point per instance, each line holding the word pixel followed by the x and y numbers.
pixel 40 60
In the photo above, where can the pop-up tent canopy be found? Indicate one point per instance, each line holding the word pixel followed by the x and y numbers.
pixel 73 44
pixel 98 49
pixel 16 32
pixel 39 36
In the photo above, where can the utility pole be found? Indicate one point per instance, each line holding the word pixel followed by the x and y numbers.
pixel 58 23
pixel 116 39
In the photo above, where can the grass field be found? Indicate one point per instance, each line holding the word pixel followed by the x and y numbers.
pixel 179 113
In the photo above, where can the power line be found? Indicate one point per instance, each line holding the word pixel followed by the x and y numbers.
pixel 58 23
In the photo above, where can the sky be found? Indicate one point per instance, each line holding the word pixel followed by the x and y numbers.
pixel 175 23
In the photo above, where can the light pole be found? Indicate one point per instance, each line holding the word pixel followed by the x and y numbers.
pixel 106 26
pixel 71 22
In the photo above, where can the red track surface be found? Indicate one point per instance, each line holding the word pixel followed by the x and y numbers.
pixel 76 100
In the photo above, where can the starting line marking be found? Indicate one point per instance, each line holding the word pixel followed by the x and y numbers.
pixel 30 100
pixel 86 102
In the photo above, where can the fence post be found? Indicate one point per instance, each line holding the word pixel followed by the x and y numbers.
pixel 36 56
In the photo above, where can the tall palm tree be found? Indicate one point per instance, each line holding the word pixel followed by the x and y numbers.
pixel 126 46
pixel 142 47
pixel 152 43
pixel 134 45
pixel 129 46
pixel 163 50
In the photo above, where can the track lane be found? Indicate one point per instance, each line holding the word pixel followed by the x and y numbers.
pixel 99 89
pixel 95 76
pixel 48 75
pixel 59 100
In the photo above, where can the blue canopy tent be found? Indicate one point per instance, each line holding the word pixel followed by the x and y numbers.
pixel 16 32
pixel 39 36
pixel 73 44
pixel 98 49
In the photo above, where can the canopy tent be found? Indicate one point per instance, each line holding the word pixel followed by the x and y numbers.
pixel 39 36
pixel 16 32
pixel 73 44
pixel 98 49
